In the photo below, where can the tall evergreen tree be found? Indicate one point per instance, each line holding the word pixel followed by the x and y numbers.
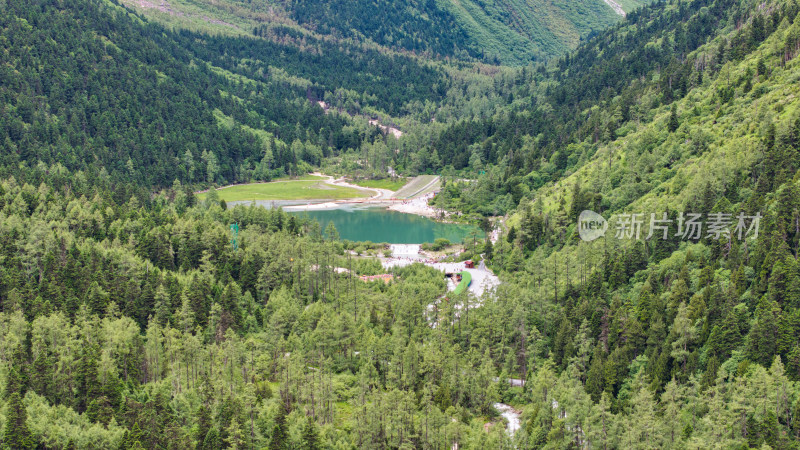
pixel 279 440
pixel 16 434
pixel 311 435
pixel 673 124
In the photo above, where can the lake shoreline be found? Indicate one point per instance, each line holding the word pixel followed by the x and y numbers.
pixel 361 223
pixel 417 204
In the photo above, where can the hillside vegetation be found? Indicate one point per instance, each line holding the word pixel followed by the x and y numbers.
pixel 502 31
pixel 135 104
pixel 132 317
pixel 515 32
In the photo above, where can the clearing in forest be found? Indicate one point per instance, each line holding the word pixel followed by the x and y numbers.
pixel 386 183
pixel 288 190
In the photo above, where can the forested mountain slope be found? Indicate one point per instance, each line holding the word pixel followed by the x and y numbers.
pixel 560 116
pixel 501 31
pixel 515 32
pixel 670 338
pixel 89 87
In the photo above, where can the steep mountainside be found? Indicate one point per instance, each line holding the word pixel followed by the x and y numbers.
pixel 514 32
pixel 616 83
pixel 504 31
pixel 86 86
pixel 688 107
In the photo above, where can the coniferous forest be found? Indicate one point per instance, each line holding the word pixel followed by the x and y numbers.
pixel 129 320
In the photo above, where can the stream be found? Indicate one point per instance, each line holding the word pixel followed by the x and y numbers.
pixel 511 415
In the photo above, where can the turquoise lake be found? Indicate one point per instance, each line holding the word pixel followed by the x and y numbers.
pixel 381 225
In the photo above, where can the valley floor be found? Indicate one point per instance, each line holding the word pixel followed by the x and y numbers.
pixel 317 192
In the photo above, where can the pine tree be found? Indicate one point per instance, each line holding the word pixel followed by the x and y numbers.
pixel 769 429
pixel 684 333
pixel 87 376
pixel 488 249
pixel 788 332
pixel 229 300
pixel 753 432
pixel 643 428
pixel 279 439
pixel 17 435
pixel 42 375
pixel 17 378
pixel 331 233
pixel 710 375
pixel 310 435
pixel 671 400
pixel 763 335
pixel 793 364
pixel 600 427
pixel 162 305
pixel 584 343
pixel 97 298
pixel 186 315
pixel 595 378
pixel 99 410
pixel 204 424
pixel 486 387
pixel 235 438
pixel 212 441
pixel 512 235
pixel 673 124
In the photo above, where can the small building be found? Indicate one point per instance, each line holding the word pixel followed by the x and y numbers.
pixel 469 264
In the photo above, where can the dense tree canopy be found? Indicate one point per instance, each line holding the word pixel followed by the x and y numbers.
pixel 128 320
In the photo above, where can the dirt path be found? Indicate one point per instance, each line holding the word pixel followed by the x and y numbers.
pixel 616 7
pixel 379 197
pixel 386 129
pixel 412 204
pixel 379 193
pixel 419 185
pixel 396 132
pixel 482 279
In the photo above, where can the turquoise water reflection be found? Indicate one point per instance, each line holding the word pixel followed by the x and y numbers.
pixel 381 225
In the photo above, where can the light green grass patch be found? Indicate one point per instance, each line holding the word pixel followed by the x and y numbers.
pixel 306 177
pixel 386 183
pixel 287 190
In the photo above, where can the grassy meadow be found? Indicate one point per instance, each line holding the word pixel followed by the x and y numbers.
pixel 386 183
pixel 287 190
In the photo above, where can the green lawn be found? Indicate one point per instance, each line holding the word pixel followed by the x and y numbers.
pixel 385 183
pixel 287 190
